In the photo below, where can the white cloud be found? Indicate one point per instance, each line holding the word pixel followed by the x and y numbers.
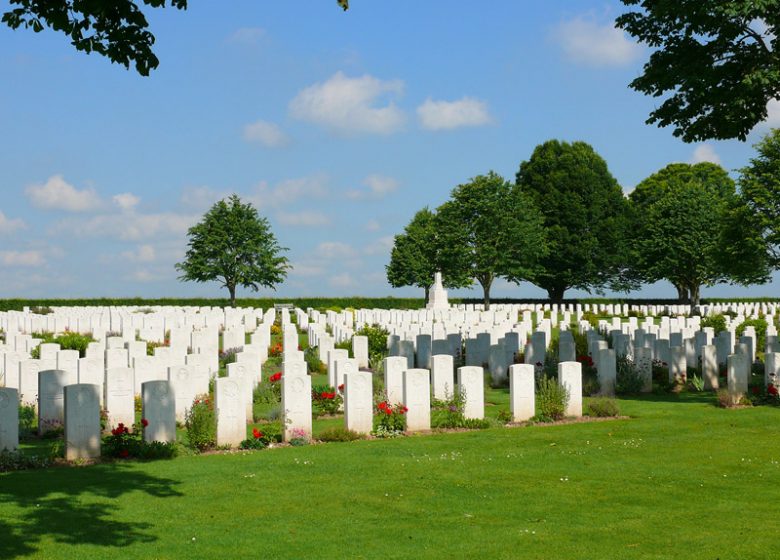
pixel 247 36
pixel 351 105
pixel 266 133
pixel 377 186
pixel 381 246
pixel 306 270
pixel 142 253
pixel 126 201
pixel 372 225
pixel 201 198
pixel 448 115
pixel 305 218
pixel 21 258
pixel 705 152
pixel 334 250
pixel 585 41
pixel 773 116
pixel 57 194
pixel 341 281
pixel 288 191
pixel 127 226
pixel 8 225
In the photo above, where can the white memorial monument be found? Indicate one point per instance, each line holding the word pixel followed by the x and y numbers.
pixel 437 298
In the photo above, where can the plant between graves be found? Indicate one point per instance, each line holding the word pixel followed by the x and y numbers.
pixel 299 437
pixel 339 434
pixel 760 326
pixel 201 424
pixel 259 440
pixel 325 400
pixel 314 365
pixel 448 412
pixel 603 407
pixel 275 350
pixel 716 322
pixel 696 383
pixel 389 418
pixel 345 345
pixel 150 346
pixel 628 380
pixel 268 392
pixel 123 442
pixel 228 356
pixel 19 461
pixel 760 395
pixel 551 400
pixel 67 341
pixel 377 339
pixel 27 418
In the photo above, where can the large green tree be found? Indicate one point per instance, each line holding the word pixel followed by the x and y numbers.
pixel 415 256
pixel 681 229
pixel 759 184
pixel 585 218
pixel 716 62
pixel 233 245
pixel 489 229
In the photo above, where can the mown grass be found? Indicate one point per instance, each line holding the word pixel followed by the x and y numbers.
pixel 680 479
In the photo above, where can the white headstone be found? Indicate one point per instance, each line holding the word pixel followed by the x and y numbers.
pixel 296 403
pixel 442 376
pixel 9 419
pixel 394 368
pixel 159 411
pixel 471 382
pixel 82 421
pixel 119 396
pixel 51 404
pixel 417 398
pixel 358 406
pixel 570 376
pixel 230 411
pixel 522 386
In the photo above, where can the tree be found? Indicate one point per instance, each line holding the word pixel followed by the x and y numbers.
pixel 415 256
pixel 234 246
pixel 681 228
pixel 717 61
pixel 585 218
pixel 116 29
pixel 759 184
pixel 489 229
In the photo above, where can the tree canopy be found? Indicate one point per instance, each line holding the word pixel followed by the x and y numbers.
pixel 585 218
pixel 680 228
pixel 489 229
pixel 233 245
pixel 717 63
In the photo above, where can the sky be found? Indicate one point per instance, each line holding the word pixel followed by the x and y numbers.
pixel 338 126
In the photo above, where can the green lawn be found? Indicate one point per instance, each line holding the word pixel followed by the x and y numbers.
pixel 680 479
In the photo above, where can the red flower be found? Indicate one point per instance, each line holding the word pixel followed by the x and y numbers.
pixel 275 377
pixel 772 390
pixel 382 405
pixel 144 422
pixel 124 453
pixel 341 388
pixel 404 410
pixel 323 395
pixel 388 411
pixel 257 433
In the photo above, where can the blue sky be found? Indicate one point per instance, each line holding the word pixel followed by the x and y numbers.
pixel 338 126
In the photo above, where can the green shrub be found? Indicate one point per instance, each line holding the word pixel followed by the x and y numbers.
pixel 377 339
pixel 344 345
pixel 504 417
pixel 551 399
pixel 628 380
pixel 314 365
pixel 603 407
pixel 448 412
pixel 27 420
pixel 267 392
pixel 339 434
pixel 716 322
pixel 18 461
pixel 67 341
pixel 325 400
pixel 201 424
pixel 760 326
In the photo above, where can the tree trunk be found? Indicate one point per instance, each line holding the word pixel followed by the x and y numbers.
pixel 555 293
pixel 427 293
pixel 682 293
pixel 232 290
pixel 486 283
pixel 695 297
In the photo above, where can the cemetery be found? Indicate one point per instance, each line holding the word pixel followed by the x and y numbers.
pixel 252 404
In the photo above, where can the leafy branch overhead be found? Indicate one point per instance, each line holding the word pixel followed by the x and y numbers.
pixel 716 63
pixel 116 29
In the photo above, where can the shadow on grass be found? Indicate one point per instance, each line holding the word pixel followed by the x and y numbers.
pixel 74 506
pixel 703 397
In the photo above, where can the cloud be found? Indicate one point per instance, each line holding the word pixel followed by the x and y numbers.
pixel 21 258
pixel 448 115
pixel 57 194
pixel 377 186
pixel 705 152
pixel 127 226
pixel 143 253
pixel 266 133
pixel 305 218
pixel 585 41
pixel 126 201
pixel 201 198
pixel 773 116
pixel 306 270
pixel 247 36
pixel 288 191
pixel 8 225
pixel 351 105
pixel 372 225
pixel 381 246
pixel 334 250
pixel 341 281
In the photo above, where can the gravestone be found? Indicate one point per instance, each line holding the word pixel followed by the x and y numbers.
pixel 567 351
pixel 68 361
pixel 394 368
pixel 9 419
pixel 471 383
pixel 296 402
pixel 570 377
pixel 358 401
pixel 360 350
pixel 51 405
pixel 607 372
pixel 644 367
pixel 82 421
pixel 737 373
pixel 424 349
pixel 159 410
pixel 180 378
pixel 333 355
pixel 417 398
pixel 119 396
pixel 772 368
pixel 344 367
pixel 241 374
pixel 118 357
pixel 27 380
pixel 442 376
pixel 497 364
pixel 709 367
pixel 678 366
pixel 522 392
pixel 230 411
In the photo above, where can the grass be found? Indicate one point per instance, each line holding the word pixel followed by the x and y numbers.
pixel 681 478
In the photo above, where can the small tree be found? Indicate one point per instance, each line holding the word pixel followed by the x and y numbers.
pixel 234 246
